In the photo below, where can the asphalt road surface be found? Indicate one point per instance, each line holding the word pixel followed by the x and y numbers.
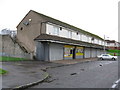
pixel 95 74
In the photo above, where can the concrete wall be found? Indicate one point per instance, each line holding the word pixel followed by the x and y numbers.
pixel 7 45
pixel 11 48
pixel 56 51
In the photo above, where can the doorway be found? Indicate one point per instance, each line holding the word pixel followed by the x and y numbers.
pixel 74 53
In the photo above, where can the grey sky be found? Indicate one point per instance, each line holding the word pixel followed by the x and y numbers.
pixel 96 16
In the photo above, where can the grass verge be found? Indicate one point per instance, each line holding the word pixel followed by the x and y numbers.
pixel 2 71
pixel 5 58
pixel 114 52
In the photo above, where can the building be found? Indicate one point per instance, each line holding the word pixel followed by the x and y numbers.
pixel 112 44
pixel 49 39
pixel 12 33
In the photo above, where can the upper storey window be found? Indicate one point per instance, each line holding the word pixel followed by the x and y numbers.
pixel 69 34
pixel 56 30
pixel 60 31
pixel 52 29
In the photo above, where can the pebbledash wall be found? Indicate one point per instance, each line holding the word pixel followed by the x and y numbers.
pixel 11 49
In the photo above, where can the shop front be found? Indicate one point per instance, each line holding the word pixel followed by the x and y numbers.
pixel 79 52
pixel 73 52
pixel 69 52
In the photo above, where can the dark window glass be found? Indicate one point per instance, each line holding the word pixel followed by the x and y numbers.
pixel 77 33
pixel 60 28
pixel 21 28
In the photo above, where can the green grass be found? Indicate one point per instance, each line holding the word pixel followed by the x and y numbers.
pixel 2 71
pixel 5 58
pixel 112 52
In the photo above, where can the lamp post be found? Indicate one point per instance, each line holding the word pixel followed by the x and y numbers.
pixel 104 44
pixel 92 39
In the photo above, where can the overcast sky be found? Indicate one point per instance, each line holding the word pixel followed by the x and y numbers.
pixel 99 17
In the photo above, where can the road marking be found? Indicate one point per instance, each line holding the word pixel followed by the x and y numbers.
pixel 115 84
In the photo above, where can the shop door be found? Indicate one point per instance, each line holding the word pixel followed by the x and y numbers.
pixel 74 53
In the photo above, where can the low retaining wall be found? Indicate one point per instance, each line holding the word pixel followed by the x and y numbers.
pixel 9 49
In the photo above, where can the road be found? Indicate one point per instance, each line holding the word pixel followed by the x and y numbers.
pixel 95 74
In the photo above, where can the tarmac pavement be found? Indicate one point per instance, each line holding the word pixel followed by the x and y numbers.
pixel 18 75
pixel 27 73
pixel 24 73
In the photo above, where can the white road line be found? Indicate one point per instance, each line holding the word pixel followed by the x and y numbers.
pixel 115 84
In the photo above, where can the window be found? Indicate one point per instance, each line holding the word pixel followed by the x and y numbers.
pixel 60 28
pixel 99 42
pixel 105 55
pixel 21 28
pixel 95 41
pixel 77 33
pixel 84 37
pixel 56 31
pixel 89 39
pixel 49 29
pixel 68 51
pixel 70 34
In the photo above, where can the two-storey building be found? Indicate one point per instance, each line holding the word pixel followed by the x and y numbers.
pixel 112 44
pixel 49 39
